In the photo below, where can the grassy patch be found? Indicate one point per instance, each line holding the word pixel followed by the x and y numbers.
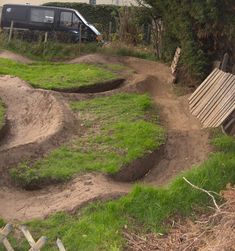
pixel 59 76
pixel 119 129
pixel 100 226
pixel 57 51
pixel 2 114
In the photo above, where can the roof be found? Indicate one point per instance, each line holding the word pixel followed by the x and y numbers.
pixel 214 100
pixel 39 6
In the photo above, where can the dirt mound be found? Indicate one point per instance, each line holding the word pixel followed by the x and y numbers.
pixel 95 59
pixel 25 205
pixel 14 56
pixel 36 121
pixel 187 144
pixel 215 232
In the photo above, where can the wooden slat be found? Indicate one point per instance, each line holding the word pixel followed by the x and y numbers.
pixel 216 78
pixel 224 115
pixel 214 99
pixel 219 93
pixel 39 244
pixel 60 245
pixel 209 94
pixel 203 84
pixel 27 235
pixel 222 108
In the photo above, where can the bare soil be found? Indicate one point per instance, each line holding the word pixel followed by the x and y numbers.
pixel 38 116
pixel 14 56
pixel 37 121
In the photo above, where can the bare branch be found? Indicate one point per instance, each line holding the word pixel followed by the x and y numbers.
pixel 205 191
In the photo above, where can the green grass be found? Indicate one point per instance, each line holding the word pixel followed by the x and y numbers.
pixel 119 129
pixel 2 114
pixel 145 209
pixel 56 76
pixel 57 51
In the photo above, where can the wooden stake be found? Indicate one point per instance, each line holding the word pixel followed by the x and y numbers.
pixel 60 245
pixel 80 38
pixel 11 31
pixel 46 37
pixel 110 31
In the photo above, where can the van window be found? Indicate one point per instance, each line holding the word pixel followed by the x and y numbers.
pixel 16 13
pixel 69 19
pixel 42 15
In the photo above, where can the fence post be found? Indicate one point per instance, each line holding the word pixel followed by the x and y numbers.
pixel 80 38
pixel 11 31
pixel 225 62
pixel 175 60
pixel 110 31
pixel 149 33
pixel 46 37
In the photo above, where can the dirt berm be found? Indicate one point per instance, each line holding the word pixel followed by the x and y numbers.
pixel 37 120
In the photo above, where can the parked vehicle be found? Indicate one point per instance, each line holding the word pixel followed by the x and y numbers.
pixel 44 18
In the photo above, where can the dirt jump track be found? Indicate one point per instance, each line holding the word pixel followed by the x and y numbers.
pixel 39 120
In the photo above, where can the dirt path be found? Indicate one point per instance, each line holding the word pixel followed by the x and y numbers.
pixel 187 144
pixel 17 57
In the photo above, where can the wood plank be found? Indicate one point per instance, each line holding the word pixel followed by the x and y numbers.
pixel 5 231
pixel 7 245
pixel 39 244
pixel 210 85
pixel 208 95
pixel 225 114
pixel 60 245
pixel 221 109
pixel 27 235
pixel 203 84
pixel 225 88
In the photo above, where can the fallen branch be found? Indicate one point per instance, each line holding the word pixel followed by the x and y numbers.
pixel 205 191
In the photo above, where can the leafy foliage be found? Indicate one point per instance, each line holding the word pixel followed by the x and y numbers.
pixel 203 29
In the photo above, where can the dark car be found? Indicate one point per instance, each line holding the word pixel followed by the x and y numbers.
pixel 45 18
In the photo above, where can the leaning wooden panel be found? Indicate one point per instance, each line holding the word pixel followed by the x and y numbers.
pixel 203 87
pixel 223 116
pixel 216 78
pixel 218 96
pixel 210 94
pixel 219 100
pixel 214 99
pixel 193 96
pixel 221 109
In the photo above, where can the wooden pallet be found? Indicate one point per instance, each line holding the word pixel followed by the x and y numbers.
pixel 214 100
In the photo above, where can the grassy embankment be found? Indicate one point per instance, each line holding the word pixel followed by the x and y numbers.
pixel 60 76
pixel 145 209
pixel 119 129
pixel 54 51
